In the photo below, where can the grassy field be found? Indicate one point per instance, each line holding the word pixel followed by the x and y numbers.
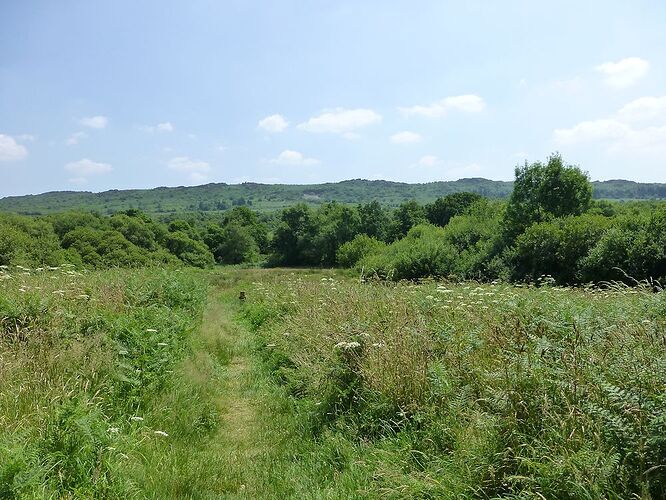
pixel 163 384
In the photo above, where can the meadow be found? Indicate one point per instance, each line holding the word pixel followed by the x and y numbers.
pixel 159 383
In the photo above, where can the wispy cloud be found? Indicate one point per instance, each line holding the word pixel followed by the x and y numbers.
pixel 10 150
pixel 406 137
pixel 341 121
pixel 86 167
pixel 428 161
pixel 273 123
pixel 638 127
pixel 160 127
pixel 289 157
pixel 97 122
pixel 623 73
pixel 468 103
pixel 196 170
pixel 75 138
pixel 644 109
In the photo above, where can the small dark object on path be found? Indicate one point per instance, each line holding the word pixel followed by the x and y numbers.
pixel 241 296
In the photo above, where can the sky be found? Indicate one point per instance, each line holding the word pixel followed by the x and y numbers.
pixel 114 95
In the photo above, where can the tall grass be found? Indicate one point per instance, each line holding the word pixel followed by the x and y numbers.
pixel 465 390
pixel 83 359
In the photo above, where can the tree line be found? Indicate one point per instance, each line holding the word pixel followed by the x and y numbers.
pixel 549 228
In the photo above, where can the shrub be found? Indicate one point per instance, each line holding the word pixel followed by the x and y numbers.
pixel 422 253
pixel 360 247
pixel 558 247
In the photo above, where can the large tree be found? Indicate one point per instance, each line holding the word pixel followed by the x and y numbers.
pixel 442 210
pixel 542 192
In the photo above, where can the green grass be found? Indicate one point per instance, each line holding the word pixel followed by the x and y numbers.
pixel 319 386
pixel 462 390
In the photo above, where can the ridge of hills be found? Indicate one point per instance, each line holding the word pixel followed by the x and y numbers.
pixel 269 197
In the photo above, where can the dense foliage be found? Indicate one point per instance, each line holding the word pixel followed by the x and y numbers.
pixel 211 198
pixel 86 359
pixel 550 225
pixel 129 239
pixel 444 390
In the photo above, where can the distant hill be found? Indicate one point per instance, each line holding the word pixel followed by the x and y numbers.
pixel 267 197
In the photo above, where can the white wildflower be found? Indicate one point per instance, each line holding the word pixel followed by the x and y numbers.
pixel 347 345
pixel 161 433
pixel 136 419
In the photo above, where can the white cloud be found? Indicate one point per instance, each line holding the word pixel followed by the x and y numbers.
pixel 341 121
pixel 75 138
pixel 160 127
pixel 619 137
pixel 10 150
pixel 644 109
pixel 274 123
pixel 289 157
pixel 196 170
pixel 623 73
pixel 406 137
pixel 94 121
pixel 198 177
pixel 185 164
pixel 593 130
pixel 468 103
pixel 165 127
pixel 455 173
pixel 428 161
pixel 87 167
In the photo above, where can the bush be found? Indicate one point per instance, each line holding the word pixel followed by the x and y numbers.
pixel 191 252
pixel 557 247
pixel 360 247
pixel 424 252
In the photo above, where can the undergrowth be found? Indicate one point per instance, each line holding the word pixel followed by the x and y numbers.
pixel 84 357
pixel 446 390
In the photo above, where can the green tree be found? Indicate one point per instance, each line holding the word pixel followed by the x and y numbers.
pixel 190 251
pixel 545 191
pixel 246 217
pixel 406 216
pixel 442 210
pixel 292 243
pixel 373 220
pixel 234 244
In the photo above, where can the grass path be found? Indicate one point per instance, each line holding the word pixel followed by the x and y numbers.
pixel 257 446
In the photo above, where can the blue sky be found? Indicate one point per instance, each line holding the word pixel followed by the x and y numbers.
pixel 124 94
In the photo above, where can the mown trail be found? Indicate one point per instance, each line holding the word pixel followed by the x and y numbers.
pixel 257 446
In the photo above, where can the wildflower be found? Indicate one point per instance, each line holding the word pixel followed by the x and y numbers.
pixel 151 330
pixel 161 433
pixel 162 344
pixel 122 352
pixel 347 345
pixel 136 419
pixel 113 430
